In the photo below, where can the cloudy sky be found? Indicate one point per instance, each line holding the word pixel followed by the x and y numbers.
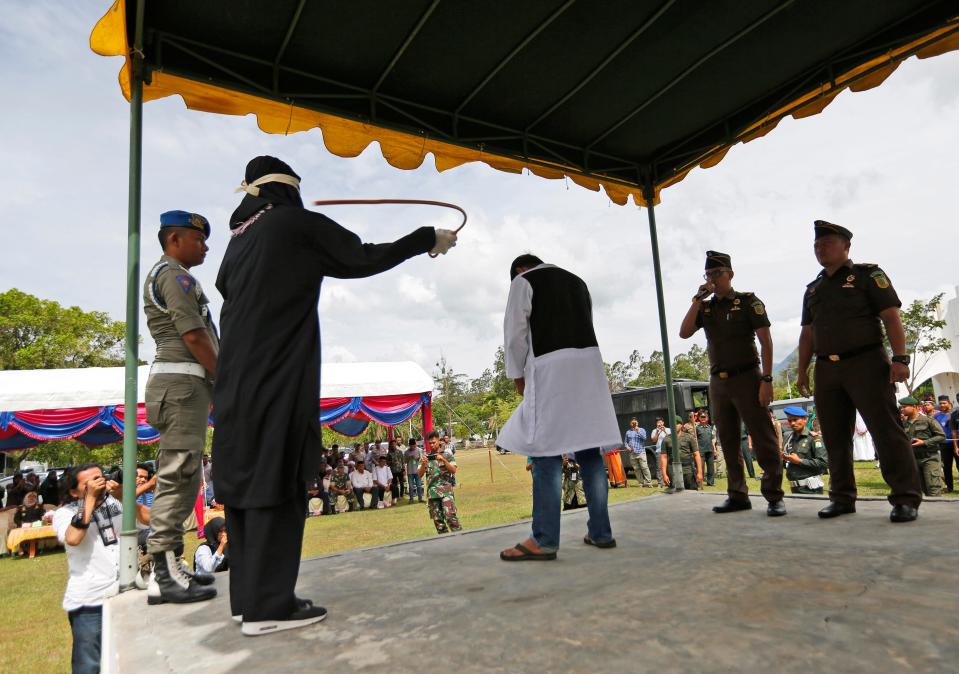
pixel 882 162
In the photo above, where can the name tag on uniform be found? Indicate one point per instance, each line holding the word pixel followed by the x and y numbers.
pixel 572 476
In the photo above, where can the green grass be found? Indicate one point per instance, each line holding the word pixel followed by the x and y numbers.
pixel 35 634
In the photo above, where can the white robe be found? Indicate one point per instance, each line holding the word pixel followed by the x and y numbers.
pixel 566 405
pixel 862 445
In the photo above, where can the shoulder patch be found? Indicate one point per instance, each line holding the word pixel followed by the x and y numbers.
pixel 879 277
pixel 186 282
pixel 758 306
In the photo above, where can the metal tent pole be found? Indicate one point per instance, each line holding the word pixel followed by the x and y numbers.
pixel 677 466
pixel 128 537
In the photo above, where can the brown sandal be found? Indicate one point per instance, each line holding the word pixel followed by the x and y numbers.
pixel 527 555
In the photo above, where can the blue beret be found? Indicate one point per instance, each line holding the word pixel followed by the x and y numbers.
pixel 795 411
pixel 184 219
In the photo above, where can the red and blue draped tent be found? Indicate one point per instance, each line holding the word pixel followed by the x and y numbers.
pixel 86 404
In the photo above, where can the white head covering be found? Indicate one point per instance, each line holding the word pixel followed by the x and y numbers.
pixel 254 190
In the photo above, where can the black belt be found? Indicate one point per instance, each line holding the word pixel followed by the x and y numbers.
pixel 732 372
pixel 835 357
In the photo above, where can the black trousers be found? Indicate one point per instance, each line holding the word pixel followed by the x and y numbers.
pixel 948 456
pixel 265 548
pixel 862 382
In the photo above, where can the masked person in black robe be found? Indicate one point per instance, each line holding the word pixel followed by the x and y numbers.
pixel 266 396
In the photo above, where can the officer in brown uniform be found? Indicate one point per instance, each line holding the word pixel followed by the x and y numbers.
pixel 178 395
pixel 739 390
pixel 926 435
pixel 844 311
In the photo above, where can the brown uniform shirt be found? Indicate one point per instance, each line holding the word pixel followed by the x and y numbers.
pixel 730 324
pixel 175 304
pixel 843 309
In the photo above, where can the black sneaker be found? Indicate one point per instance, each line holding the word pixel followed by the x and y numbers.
pixel 299 618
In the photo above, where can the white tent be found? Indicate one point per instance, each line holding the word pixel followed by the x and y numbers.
pixel 22 390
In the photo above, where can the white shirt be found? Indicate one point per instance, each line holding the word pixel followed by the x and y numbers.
pixel 92 567
pixel 206 560
pixel 360 480
pixel 382 474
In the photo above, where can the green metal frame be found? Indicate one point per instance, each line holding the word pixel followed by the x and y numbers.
pixel 128 537
pixel 676 478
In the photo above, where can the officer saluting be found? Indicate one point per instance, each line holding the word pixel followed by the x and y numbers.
pixel 178 396
pixel 844 310
pixel 738 390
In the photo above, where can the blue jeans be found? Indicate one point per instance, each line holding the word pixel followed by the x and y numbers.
pixel 86 623
pixel 548 497
pixel 416 485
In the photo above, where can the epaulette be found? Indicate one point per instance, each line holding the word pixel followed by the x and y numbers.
pixel 867 265
pixel 816 280
pixel 745 294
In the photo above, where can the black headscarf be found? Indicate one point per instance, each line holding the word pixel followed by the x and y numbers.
pixel 270 193
pixel 211 533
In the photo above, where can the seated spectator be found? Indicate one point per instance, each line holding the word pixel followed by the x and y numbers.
pixel 383 481
pixel 340 487
pixel 50 489
pixel 412 458
pixel 212 555
pixel 89 524
pixel 29 511
pixel 362 482
pixel 318 500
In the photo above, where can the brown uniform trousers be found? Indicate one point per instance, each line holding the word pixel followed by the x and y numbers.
pixel 862 382
pixel 734 400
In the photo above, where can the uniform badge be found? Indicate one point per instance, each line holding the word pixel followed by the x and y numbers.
pixel 186 282
pixel 880 279
pixel 759 308
pixel 196 221
pixel 736 301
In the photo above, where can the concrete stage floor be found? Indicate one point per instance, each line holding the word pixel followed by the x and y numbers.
pixel 685 591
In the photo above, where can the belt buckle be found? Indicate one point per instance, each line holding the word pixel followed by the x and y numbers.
pixel 724 375
pixel 834 357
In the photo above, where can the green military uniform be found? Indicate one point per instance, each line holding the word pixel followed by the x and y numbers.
pixel 730 324
pixel 852 373
pixel 342 481
pixel 573 494
pixel 178 396
pixel 928 459
pixel 804 478
pixel 397 464
pixel 688 448
pixel 439 494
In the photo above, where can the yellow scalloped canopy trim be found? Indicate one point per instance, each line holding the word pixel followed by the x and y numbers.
pixel 348 138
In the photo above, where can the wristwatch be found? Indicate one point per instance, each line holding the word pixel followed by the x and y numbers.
pixel 904 359
pixel 78 522
pixel 768 378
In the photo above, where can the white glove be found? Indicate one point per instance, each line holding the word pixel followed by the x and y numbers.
pixel 445 239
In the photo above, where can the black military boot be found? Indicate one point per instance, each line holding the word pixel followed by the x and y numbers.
pixel 169 584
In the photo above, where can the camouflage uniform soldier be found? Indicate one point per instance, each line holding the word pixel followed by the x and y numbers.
pixel 925 434
pixel 340 486
pixel 688 455
pixel 397 464
pixel 438 470
pixel 573 494
pixel 178 396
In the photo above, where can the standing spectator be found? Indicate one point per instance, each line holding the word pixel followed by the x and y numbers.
pixel 659 437
pixel 362 483
pixel 212 555
pixel 948 449
pixel 383 482
pixel 438 471
pixel 705 434
pixel 449 445
pixel 929 407
pixel 719 456
pixel 208 479
pixel 18 489
pixel 358 454
pixel 88 524
pixel 397 464
pixel 636 441
pixel 553 357
pixel 573 494
pixel 50 489
pixel 746 443
pixel 412 458
pixel 925 435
